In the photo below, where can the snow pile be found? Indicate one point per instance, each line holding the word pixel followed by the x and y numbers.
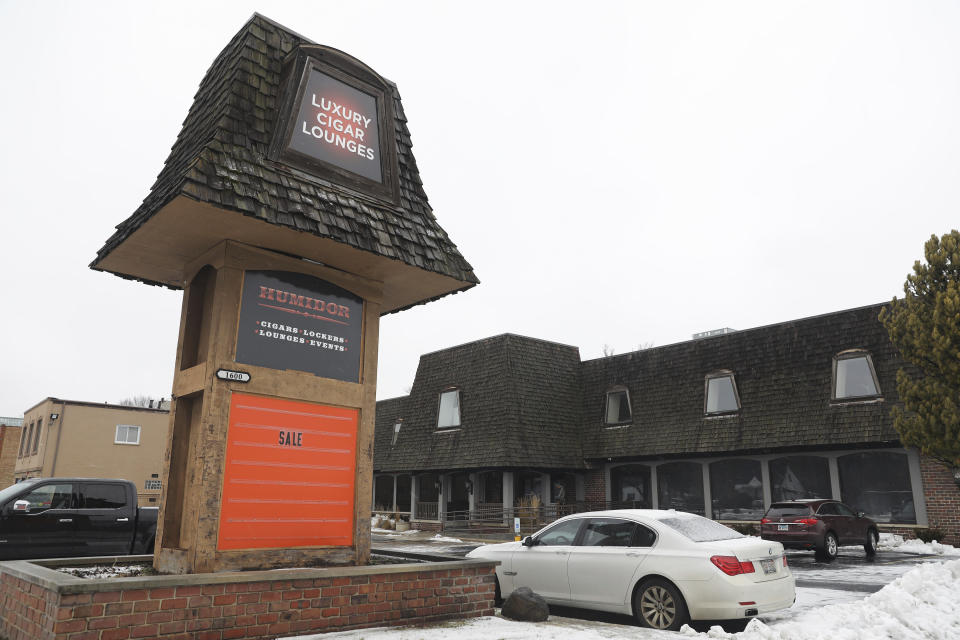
pixel 104 571
pixel 388 526
pixel 441 538
pixel 919 605
pixel 390 533
pixel 893 542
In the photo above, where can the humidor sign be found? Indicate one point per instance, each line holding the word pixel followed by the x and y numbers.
pixel 295 321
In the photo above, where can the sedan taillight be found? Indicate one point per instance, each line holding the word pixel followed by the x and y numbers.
pixel 731 566
pixel 784 560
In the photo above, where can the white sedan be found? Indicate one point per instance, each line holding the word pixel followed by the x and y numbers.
pixel 663 567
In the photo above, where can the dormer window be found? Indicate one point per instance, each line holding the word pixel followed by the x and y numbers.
pixel 617 410
pixel 449 414
pixel 396 431
pixel 721 394
pixel 854 376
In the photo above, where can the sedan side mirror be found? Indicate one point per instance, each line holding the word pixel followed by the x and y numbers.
pixel 528 541
pixel 21 506
pixel 860 514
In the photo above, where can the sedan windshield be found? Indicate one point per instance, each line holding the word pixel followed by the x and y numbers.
pixel 701 529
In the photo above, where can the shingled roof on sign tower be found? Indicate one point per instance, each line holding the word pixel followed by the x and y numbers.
pixel 227 179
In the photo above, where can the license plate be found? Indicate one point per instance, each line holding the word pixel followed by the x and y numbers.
pixel 782 527
pixel 769 566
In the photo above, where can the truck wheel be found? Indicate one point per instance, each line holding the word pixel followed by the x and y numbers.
pixel 870 546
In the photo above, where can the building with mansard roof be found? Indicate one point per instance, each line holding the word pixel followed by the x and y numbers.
pixel 720 425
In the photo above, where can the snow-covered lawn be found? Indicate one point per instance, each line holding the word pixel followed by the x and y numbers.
pixel 919 605
pixel 893 542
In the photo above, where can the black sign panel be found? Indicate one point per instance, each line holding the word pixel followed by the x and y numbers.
pixel 338 124
pixel 294 321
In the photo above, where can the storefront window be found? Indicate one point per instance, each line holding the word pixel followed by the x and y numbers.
pixel 383 493
pixel 403 492
pixel 428 488
pixel 736 490
pixel 630 487
pixel 563 488
pixel 491 487
pixel 528 488
pixel 796 477
pixel 680 486
pixel 458 498
pixel 878 483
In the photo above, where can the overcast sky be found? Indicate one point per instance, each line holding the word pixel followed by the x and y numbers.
pixel 617 173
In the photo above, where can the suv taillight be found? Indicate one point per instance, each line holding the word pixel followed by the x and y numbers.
pixel 809 521
pixel 731 566
pixel 764 520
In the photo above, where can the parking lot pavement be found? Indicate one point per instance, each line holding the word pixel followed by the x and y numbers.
pixel 853 570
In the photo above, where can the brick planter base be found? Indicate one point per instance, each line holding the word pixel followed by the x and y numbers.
pixel 39 603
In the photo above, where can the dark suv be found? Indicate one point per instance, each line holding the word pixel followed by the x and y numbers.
pixel 821 525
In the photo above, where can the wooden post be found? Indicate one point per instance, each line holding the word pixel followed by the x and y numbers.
pixel 193 517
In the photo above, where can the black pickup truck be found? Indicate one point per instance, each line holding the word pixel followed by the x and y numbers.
pixel 72 517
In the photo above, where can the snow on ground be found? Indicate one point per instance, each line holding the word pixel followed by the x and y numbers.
pixel 441 538
pixel 98 572
pixel 502 629
pixel 390 533
pixel 893 542
pixel 920 605
pixel 811 598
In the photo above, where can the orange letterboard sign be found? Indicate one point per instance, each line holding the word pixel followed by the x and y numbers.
pixel 289 477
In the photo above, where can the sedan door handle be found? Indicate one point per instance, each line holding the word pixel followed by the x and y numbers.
pixel 123 519
pixel 65 520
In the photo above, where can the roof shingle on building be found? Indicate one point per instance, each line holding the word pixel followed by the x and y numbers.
pixel 784 376
pixel 519 406
pixel 221 158
pixel 783 373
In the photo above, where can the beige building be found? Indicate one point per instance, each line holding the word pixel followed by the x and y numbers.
pixel 9 442
pixel 90 440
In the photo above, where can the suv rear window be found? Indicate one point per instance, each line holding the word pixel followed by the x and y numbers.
pixel 788 510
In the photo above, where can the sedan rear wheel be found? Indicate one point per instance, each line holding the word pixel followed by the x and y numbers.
pixel 658 604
